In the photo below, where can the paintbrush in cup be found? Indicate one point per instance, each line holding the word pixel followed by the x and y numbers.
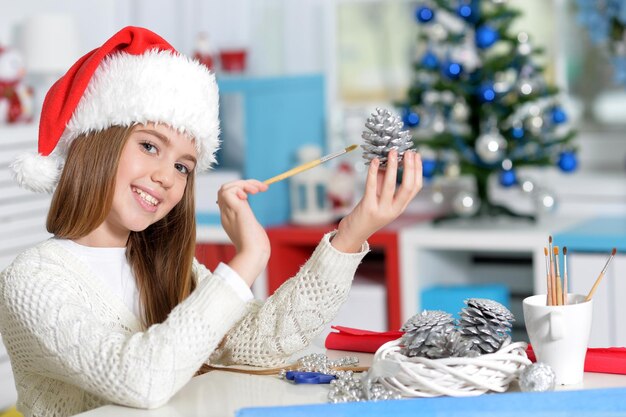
pixel 559 289
pixel 564 275
pixel 548 278
pixel 606 265
pixel 309 165
pixel 552 272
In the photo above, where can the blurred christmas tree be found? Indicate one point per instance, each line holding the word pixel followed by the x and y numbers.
pixel 479 104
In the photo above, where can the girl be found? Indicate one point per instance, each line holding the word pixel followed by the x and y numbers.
pixel 114 308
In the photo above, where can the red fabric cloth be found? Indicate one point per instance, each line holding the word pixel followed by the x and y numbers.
pixel 357 340
pixel 604 360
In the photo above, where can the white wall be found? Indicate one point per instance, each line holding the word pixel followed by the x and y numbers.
pixel 282 35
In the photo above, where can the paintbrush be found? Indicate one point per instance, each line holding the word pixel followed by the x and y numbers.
pixel 559 289
pixel 606 265
pixel 309 165
pixel 564 275
pixel 548 279
pixel 552 273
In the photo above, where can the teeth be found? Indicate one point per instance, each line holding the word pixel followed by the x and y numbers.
pixel 146 197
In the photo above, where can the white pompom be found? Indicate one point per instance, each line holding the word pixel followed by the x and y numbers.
pixel 37 172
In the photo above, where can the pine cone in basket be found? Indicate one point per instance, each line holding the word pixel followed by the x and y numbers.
pixel 419 328
pixel 486 323
pixel 446 345
pixel 385 133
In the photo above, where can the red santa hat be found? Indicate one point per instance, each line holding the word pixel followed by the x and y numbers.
pixel 134 77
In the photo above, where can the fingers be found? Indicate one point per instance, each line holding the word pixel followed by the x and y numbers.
pixel 241 189
pixel 389 182
pixel 371 184
pixel 411 179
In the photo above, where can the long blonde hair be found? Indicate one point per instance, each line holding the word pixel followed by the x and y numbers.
pixel 160 256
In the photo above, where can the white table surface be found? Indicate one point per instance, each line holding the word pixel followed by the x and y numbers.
pixel 221 394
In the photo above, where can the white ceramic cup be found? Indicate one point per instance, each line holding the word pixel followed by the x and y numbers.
pixel 559 334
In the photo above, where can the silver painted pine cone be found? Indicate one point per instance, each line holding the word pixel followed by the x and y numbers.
pixel 423 325
pixel 486 323
pixel 384 134
pixel 446 345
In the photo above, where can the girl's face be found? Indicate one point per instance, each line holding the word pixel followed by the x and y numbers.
pixel 150 181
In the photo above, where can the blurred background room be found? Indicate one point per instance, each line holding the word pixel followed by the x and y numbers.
pixel 298 79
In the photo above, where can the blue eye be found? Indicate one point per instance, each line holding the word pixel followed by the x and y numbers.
pixel 148 147
pixel 182 169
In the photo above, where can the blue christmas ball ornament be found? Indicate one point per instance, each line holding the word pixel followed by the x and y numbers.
pixel 486 36
pixel 452 70
pixel 428 167
pixel 567 161
pixel 518 132
pixel 487 93
pixel 558 115
pixel 466 12
pixel 424 14
pixel 430 60
pixel 410 118
pixel 508 177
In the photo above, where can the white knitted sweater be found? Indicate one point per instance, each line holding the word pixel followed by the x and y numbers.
pixel 75 346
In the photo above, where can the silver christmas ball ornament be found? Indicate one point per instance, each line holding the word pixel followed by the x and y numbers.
pixel 460 111
pixel 545 201
pixel 527 185
pixel 465 203
pixel 538 377
pixel 491 146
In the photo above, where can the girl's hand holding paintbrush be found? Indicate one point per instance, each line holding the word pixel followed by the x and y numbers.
pixel 382 203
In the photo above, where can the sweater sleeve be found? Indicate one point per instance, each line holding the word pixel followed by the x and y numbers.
pixel 295 314
pixel 46 318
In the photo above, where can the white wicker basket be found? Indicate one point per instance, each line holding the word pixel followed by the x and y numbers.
pixel 457 377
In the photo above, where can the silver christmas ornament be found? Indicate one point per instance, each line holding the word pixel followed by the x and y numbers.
pixel 523 47
pixel 465 203
pixel 437 197
pixel 490 146
pixel 460 111
pixel 486 323
pixel 384 134
pixel 545 201
pixel 538 377
pixel 527 185
pixel 419 328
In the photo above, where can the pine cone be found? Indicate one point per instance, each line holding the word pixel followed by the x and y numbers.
pixel 486 323
pixel 419 328
pixel 445 345
pixel 385 134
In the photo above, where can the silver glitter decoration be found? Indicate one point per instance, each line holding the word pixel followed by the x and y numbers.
pixel 486 323
pixel 385 133
pixel 538 377
pixel 349 388
pixel 423 326
pixel 318 362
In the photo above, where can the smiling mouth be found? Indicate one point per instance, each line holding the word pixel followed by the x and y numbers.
pixel 146 197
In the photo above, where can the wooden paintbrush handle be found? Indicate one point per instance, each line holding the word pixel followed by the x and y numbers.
pixel 293 171
pixel 595 286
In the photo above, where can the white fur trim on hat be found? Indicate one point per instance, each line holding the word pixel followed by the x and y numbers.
pixel 36 172
pixel 157 86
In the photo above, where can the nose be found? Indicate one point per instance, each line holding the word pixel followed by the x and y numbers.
pixel 163 175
